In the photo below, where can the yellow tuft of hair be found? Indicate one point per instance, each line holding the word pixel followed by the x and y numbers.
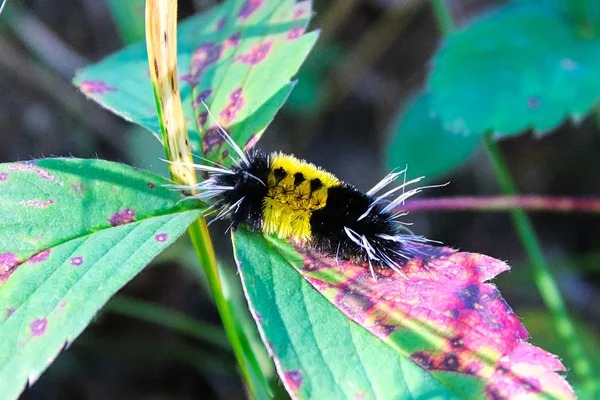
pixel 288 206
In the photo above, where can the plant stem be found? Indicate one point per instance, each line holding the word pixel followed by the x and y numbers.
pixel 542 276
pixel 255 379
pixel 443 17
pixel 505 203
pixel 161 43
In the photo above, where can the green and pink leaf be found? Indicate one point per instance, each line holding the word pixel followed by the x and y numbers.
pixel 238 59
pixel 443 317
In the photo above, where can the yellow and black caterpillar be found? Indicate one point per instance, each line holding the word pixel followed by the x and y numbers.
pixel 280 194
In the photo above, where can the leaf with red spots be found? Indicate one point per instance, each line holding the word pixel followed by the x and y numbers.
pixel 525 65
pixel 72 233
pixel 456 332
pixel 238 58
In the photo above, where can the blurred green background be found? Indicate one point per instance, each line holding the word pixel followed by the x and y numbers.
pixel 344 115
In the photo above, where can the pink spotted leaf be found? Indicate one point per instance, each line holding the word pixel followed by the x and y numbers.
pixel 442 317
pixel 72 233
pixel 237 59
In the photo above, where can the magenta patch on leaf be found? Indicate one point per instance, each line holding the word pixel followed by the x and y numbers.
pixel 29 166
pixel 201 97
pixel 10 311
pixel 38 327
pixel 212 139
pixel 295 33
pixel 533 102
pixel 446 296
pixel 256 55
pixel 234 39
pixel 189 79
pixel 123 217
pixel 3 176
pixel 161 237
pixel 8 263
pixel 206 54
pixel 202 118
pixel 221 24
pixel 248 8
pixel 95 87
pixel 298 13
pixel 151 185
pixel 422 359
pixel 293 380
pixel 37 203
pixel 236 102
pixel 252 140
pixel 39 257
pixel 76 261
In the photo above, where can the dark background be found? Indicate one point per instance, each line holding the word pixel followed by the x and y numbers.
pixel 365 68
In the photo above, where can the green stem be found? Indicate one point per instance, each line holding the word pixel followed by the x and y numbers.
pixel 443 17
pixel 171 319
pixel 542 276
pixel 161 44
pixel 256 380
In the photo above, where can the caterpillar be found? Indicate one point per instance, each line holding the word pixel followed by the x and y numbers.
pixel 282 195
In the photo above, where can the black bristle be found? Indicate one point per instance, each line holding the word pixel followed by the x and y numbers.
pixel 345 205
pixel 246 185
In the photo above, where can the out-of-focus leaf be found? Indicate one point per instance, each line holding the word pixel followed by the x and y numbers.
pixel 311 90
pixel 442 317
pixel 522 66
pixel 238 58
pixel 419 141
pixel 145 151
pixel 584 13
pixel 318 352
pixel 129 18
pixel 72 233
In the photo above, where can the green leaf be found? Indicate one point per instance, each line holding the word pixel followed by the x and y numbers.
pixel 318 352
pixel 238 58
pixel 129 18
pixel 419 141
pixel 72 233
pixel 443 318
pixel 522 66
pixel 310 93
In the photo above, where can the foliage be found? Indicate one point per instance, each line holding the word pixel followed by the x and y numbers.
pixel 441 316
pixel 422 144
pixel 73 232
pixel 238 59
pixel 525 65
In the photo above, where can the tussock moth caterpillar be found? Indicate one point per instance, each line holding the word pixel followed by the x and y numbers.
pixel 282 195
